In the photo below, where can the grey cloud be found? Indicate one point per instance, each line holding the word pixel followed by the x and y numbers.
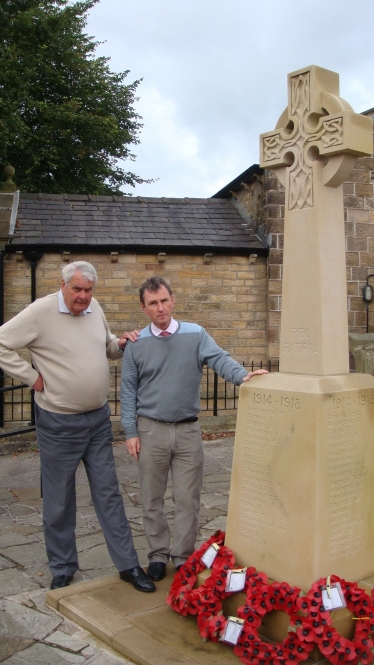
pixel 222 66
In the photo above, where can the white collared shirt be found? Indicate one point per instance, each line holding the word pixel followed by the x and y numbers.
pixel 64 310
pixel 173 326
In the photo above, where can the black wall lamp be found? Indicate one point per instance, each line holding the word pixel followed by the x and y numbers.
pixel 367 295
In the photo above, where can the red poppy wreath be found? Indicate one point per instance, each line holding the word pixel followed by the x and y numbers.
pixel 310 623
pixel 317 624
pixel 250 648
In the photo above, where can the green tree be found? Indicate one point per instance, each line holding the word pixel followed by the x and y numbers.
pixel 65 118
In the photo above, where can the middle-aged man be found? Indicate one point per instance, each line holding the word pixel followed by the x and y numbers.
pixel 69 342
pixel 160 401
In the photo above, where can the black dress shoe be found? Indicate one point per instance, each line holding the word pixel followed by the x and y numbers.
pixel 60 581
pixel 137 577
pixel 156 570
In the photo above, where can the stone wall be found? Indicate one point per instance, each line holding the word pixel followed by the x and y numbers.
pixel 266 207
pixel 227 296
pixel 359 228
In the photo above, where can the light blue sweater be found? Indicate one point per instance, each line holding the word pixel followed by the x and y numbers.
pixel 161 375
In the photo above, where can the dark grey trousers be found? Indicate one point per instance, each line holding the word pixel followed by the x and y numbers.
pixel 64 440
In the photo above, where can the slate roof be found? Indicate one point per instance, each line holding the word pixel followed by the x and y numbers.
pixel 50 222
pixel 246 176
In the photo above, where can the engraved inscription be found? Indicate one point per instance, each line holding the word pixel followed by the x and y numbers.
pixel 346 474
pixel 260 491
pixel 300 342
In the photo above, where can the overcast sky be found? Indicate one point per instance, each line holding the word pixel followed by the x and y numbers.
pixel 215 76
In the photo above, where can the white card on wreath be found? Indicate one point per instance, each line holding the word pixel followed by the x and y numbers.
pixel 209 555
pixel 233 629
pixel 337 597
pixel 236 579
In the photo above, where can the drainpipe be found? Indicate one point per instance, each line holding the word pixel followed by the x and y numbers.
pixel 33 256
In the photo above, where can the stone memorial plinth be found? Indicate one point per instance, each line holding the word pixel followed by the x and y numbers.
pixel 301 498
pixel 301 501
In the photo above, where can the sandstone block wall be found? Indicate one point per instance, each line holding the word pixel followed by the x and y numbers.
pixel 227 297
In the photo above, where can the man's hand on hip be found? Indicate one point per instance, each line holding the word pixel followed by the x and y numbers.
pixel 133 446
pixel 39 384
pixel 258 371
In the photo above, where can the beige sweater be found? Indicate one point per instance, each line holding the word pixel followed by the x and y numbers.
pixel 70 352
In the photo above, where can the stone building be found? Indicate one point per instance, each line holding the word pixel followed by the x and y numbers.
pixel 217 267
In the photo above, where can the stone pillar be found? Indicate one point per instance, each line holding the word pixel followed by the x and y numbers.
pixel 9 197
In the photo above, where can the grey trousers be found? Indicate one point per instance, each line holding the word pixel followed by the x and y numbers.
pixel 64 440
pixel 179 448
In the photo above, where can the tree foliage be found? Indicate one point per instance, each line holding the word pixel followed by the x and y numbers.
pixel 65 118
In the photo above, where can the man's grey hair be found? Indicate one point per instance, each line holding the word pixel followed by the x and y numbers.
pixel 87 271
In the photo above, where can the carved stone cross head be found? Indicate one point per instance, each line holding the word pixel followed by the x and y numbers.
pixel 318 125
pixel 312 150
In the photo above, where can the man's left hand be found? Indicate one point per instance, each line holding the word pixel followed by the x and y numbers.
pixel 258 371
pixel 132 336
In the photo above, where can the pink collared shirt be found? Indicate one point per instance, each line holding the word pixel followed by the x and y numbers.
pixel 173 326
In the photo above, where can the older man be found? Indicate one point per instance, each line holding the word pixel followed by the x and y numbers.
pixel 69 342
pixel 160 402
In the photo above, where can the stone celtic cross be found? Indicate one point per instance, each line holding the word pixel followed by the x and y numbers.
pixel 312 150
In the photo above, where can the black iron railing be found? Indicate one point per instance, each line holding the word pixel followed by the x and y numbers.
pixel 216 394
pixel 17 401
pixel 16 408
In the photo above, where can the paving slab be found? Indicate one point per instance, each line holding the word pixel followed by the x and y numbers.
pixel 5 563
pixel 42 654
pixel 12 645
pixel 87 541
pixel 96 557
pixel 60 639
pixel 14 581
pixel 6 496
pixel 214 525
pixel 33 554
pixel 105 658
pixel 39 574
pixel 24 529
pixel 20 509
pixel 33 519
pixel 5 520
pixel 35 600
pixel 26 493
pixel 10 539
pixel 214 499
pixel 18 620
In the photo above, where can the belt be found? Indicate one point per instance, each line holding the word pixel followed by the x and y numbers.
pixel 178 422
